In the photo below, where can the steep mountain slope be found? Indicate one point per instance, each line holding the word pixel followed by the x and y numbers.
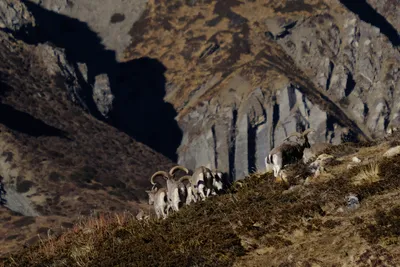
pixel 244 74
pixel 239 76
pixel 57 160
pixel 257 223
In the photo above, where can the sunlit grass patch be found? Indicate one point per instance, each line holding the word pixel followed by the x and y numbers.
pixel 368 174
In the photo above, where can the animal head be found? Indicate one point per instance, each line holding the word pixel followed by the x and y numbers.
pixel 218 183
pixel 172 185
pixel 152 194
pixel 302 138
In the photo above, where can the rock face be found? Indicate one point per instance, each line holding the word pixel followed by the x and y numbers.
pixel 239 138
pixel 245 75
pixel 102 94
pixel 357 66
pixel 14 15
pixel 56 63
pixel 242 76
pixel 128 95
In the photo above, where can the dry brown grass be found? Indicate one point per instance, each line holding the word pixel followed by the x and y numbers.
pixel 245 59
pixel 369 174
pixel 256 217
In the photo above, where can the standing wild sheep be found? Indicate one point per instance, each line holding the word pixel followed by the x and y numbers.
pixel 218 183
pixel 189 194
pixel 288 152
pixel 174 189
pixel 201 180
pixel 158 198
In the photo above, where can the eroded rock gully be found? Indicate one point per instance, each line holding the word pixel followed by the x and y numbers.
pixel 237 139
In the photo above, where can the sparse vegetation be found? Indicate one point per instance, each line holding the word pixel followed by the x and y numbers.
pixel 385 229
pixel 73 160
pixel 369 174
pixel 63 160
pixel 255 215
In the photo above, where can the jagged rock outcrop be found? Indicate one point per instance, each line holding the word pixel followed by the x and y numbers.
pixel 354 62
pixel 102 94
pixel 239 138
pixel 14 15
pixel 16 19
pixel 56 63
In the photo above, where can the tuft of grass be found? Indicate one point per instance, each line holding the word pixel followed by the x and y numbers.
pixel 368 175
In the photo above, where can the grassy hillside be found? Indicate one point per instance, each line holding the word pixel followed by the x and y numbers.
pixel 259 222
pixel 54 157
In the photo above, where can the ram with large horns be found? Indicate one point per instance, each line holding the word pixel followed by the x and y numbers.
pixel 289 151
pixel 173 188
pixel 201 182
pixel 189 194
pixel 158 198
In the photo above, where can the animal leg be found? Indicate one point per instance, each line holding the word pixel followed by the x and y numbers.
pixel 194 197
pixel 158 215
pixel 201 192
pixel 176 206
pixel 278 165
pixel 208 191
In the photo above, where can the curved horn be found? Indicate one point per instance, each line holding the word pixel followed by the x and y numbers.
pixel 186 177
pixel 306 132
pixel 163 173
pixel 293 134
pixel 172 171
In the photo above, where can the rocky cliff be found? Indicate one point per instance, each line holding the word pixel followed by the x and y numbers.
pixel 240 75
pixel 244 74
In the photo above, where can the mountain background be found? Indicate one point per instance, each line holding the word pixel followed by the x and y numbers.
pixel 97 95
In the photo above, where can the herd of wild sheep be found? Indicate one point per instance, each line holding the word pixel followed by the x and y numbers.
pixel 200 185
pixel 204 182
